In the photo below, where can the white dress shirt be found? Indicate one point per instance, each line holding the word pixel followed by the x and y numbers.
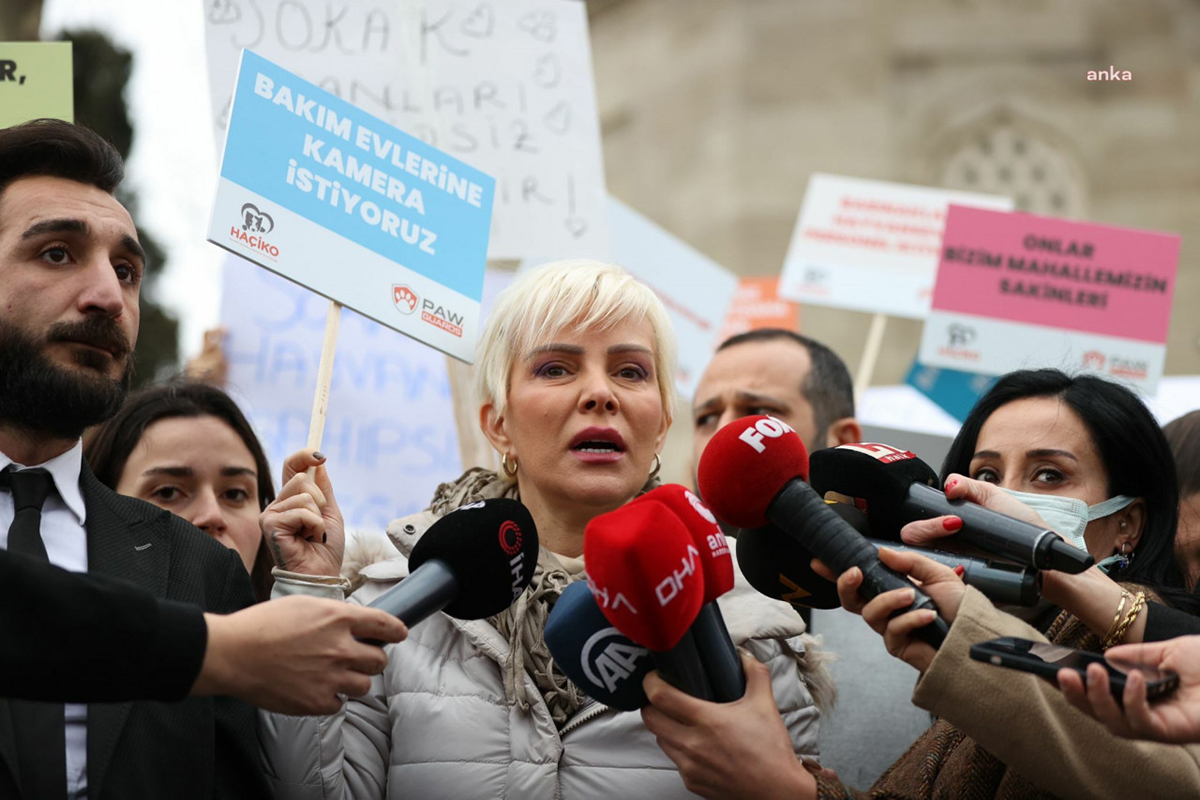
pixel 65 538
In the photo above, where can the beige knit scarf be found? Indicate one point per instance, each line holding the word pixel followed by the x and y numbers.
pixel 523 626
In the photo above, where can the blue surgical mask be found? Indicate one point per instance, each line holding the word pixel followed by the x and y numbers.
pixel 1068 516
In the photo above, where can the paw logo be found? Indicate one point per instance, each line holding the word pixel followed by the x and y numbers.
pixel 405 299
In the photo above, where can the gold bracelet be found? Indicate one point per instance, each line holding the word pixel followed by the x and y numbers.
pixel 1112 629
pixel 1134 610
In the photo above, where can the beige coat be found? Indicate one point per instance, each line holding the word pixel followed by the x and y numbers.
pixel 1006 734
pixel 1026 723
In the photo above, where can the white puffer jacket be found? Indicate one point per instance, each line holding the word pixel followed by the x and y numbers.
pixel 436 723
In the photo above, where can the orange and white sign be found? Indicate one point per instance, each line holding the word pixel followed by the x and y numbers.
pixel 757 304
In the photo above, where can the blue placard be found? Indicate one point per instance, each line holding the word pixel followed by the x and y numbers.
pixel 354 174
pixel 955 392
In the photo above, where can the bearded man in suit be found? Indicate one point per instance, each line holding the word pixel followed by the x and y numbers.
pixel 70 271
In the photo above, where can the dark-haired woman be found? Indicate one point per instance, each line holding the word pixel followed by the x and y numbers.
pixel 1034 435
pixel 186 447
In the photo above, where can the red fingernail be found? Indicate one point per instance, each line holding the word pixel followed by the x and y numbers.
pixel 952 524
pixel 950 484
pixel 960 570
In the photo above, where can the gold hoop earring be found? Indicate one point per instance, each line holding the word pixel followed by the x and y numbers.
pixel 509 471
pixel 657 467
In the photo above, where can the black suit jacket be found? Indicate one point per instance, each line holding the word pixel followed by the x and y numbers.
pixel 203 747
pixel 78 638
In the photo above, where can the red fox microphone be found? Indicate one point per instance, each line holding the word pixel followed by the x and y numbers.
pixel 718 655
pixel 644 572
pixel 754 470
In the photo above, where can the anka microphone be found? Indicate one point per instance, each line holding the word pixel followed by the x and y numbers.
pixel 898 488
pixel 1003 583
pixel 597 657
pixel 718 655
pixel 753 471
pixel 472 563
pixel 644 572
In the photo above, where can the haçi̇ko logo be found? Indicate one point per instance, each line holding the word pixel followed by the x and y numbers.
pixel 1094 359
pixel 959 338
pixel 404 298
pixel 960 335
pixel 253 230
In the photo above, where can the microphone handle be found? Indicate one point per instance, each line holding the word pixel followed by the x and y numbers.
pixel 718 655
pixel 1001 582
pixel 427 589
pixel 804 516
pixel 681 667
pixel 996 532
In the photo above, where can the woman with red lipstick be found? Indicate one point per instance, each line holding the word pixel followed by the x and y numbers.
pixel 574 373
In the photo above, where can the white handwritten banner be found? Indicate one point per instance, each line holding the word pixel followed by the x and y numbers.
pixel 504 86
pixel 390 434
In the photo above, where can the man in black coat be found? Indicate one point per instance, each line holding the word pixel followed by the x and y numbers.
pixel 82 638
pixel 70 272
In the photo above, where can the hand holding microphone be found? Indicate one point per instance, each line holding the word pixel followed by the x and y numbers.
pixel 754 470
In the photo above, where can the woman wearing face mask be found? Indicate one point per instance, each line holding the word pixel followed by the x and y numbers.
pixel 1088 455
pixel 186 447
pixel 1090 460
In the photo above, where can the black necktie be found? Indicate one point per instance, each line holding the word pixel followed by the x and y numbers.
pixel 39 729
pixel 29 489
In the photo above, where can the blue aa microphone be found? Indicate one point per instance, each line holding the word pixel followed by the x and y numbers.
pixel 598 658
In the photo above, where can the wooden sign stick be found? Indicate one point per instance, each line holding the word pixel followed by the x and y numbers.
pixel 870 355
pixel 316 427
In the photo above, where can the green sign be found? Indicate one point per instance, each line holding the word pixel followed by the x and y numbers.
pixel 35 81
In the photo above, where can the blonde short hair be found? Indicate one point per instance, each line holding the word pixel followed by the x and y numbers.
pixel 579 294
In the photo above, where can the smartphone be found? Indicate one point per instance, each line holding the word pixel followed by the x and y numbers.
pixel 1046 660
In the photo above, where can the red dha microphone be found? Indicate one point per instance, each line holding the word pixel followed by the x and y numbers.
pixel 718 655
pixel 754 470
pixel 644 572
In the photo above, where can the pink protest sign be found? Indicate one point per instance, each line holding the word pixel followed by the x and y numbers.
pixel 1059 273
pixel 1017 290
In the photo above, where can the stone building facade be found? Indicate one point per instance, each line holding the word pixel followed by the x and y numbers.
pixel 715 112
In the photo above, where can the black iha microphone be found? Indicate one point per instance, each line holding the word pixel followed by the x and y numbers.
pixel 472 563
pixel 898 488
